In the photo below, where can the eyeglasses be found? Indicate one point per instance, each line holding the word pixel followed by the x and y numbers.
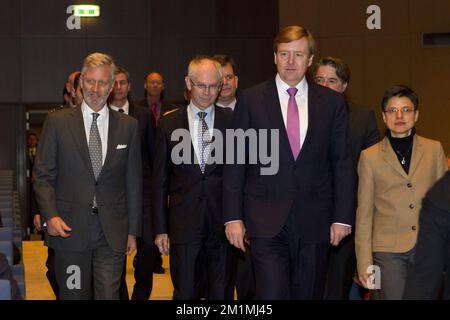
pixel 100 83
pixel 403 110
pixel 204 87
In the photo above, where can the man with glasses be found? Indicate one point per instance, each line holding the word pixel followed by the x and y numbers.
pixel 334 73
pixel 88 184
pixel 187 196
pixel 227 97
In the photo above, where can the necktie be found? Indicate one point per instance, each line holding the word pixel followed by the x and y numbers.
pixel 155 113
pixel 95 149
pixel 293 123
pixel 204 140
pixel 121 110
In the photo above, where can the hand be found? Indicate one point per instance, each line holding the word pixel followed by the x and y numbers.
pixel 58 228
pixel 235 232
pixel 131 244
pixel 364 279
pixel 162 242
pixel 37 222
pixel 338 232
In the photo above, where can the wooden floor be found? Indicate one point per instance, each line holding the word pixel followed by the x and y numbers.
pixel 38 288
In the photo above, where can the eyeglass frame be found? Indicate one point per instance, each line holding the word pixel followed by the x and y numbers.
pixel 203 86
pixel 394 110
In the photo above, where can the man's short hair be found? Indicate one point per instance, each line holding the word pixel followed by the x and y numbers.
pixel 293 33
pixel 193 65
pixel 120 69
pixel 76 81
pixel 224 60
pixel 399 91
pixel 96 59
pixel 146 76
pixel 342 69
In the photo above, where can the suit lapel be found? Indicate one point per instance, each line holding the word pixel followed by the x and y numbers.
pixel 271 103
pixel 76 126
pixel 417 154
pixel 113 138
pixel 313 115
pixel 184 123
pixel 219 124
pixel 390 157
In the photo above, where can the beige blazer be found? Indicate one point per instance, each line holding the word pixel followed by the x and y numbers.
pixel 389 200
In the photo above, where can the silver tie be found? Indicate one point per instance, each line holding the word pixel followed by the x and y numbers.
pixel 95 149
pixel 204 140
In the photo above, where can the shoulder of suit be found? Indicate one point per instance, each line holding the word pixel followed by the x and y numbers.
pixel 374 149
pixel 427 141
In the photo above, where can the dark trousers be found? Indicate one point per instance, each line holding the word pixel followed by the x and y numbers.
pixel 287 268
pixel 244 274
pixel 341 269
pixel 123 289
pixel 210 253
pixel 51 273
pixel 91 273
pixel 143 270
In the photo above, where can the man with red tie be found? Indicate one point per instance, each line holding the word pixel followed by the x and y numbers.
pixel 291 217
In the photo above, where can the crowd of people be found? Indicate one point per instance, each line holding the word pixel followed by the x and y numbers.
pixel 344 204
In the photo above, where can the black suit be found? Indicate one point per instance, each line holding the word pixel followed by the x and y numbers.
pixel 193 216
pixel 144 258
pixel 293 209
pixel 65 185
pixel 342 261
pixel 432 257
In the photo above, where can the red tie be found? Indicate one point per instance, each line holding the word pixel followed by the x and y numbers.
pixel 155 113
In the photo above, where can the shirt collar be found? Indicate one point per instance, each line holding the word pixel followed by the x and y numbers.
pixel 125 107
pixel 87 111
pixel 195 110
pixel 282 86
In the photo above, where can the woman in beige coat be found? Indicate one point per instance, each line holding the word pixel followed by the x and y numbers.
pixel 394 176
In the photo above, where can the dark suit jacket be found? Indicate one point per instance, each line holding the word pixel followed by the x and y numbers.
pixel 321 180
pixel 64 181
pixel 185 185
pixel 363 129
pixel 165 108
pixel 147 134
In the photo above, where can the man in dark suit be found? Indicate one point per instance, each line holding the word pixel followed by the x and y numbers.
pixel 291 216
pixel 334 73
pixel 144 259
pixel 187 196
pixel 425 279
pixel 88 184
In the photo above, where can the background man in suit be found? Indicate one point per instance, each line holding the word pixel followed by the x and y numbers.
pixel 144 260
pixel 192 218
pixel 227 96
pixel 292 216
pixel 88 184
pixel 334 73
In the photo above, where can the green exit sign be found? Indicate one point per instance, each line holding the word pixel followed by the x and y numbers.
pixel 86 10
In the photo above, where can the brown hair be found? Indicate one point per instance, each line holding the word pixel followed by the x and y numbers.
pixel 292 33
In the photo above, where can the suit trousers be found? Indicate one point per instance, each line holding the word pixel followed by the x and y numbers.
pixel 208 254
pixel 341 270
pixel 91 273
pixel 288 268
pixel 143 270
pixel 393 268
pixel 244 275
pixel 51 274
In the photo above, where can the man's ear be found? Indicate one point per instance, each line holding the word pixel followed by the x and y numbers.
pixel 188 83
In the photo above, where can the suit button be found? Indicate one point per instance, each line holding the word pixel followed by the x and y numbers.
pixel 409 185
pixel 413 228
pixel 411 206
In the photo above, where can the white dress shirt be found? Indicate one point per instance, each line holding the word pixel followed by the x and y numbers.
pixel 102 124
pixel 194 122
pixel 301 97
pixel 125 107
